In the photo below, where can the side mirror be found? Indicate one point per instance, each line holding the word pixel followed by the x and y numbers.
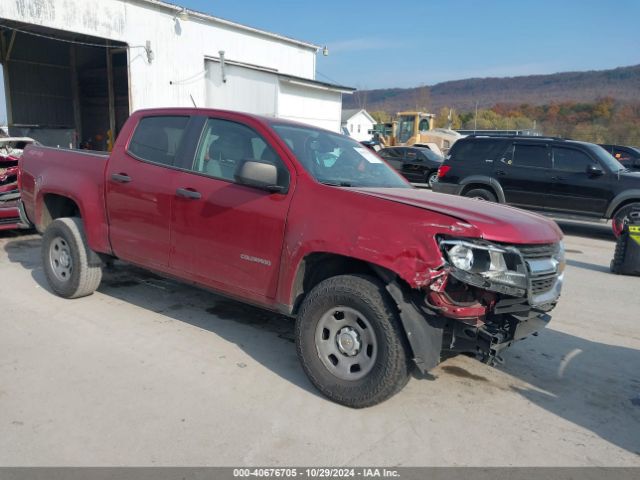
pixel 594 170
pixel 259 175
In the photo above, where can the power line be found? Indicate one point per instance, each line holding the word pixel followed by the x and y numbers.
pixel 325 76
pixel 75 42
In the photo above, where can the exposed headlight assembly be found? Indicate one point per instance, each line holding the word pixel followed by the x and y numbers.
pixel 488 266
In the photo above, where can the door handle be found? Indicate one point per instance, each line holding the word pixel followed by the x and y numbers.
pixel 120 177
pixel 558 179
pixel 501 173
pixel 188 193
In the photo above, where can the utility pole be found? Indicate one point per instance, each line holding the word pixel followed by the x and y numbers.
pixel 475 119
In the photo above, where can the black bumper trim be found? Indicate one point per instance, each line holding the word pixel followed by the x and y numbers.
pixel 24 220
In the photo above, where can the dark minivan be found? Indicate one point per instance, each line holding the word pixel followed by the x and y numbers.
pixel 547 174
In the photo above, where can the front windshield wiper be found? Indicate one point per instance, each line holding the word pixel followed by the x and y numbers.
pixel 335 184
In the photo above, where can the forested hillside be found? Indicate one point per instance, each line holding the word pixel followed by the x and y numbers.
pixel 599 106
pixel 622 83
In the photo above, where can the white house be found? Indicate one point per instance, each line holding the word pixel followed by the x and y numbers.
pixel 357 122
pixel 75 69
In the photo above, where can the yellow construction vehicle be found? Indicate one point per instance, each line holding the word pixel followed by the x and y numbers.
pixel 415 128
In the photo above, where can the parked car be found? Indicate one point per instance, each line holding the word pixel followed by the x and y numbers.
pixel 288 217
pixel 416 164
pixel 372 145
pixel 11 149
pixel 550 175
pixel 629 157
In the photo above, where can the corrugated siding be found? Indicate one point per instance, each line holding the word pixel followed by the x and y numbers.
pixel 40 81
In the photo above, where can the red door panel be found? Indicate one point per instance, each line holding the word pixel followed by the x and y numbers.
pixel 231 237
pixel 140 191
pixel 139 210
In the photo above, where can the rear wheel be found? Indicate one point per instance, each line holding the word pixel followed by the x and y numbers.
pixel 621 217
pixel 481 194
pixel 350 342
pixel 432 178
pixel 72 269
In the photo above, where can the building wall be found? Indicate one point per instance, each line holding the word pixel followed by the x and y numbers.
pixel 266 93
pixel 177 72
pixel 359 126
pixel 310 105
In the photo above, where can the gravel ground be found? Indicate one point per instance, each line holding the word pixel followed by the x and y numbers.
pixel 151 372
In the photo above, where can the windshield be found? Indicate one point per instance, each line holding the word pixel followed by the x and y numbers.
pixel 337 160
pixel 606 158
pixel 406 124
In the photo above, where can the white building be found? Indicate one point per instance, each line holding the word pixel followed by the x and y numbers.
pixel 357 122
pixel 79 67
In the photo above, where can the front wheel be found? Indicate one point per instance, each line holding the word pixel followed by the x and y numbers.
pixel 350 342
pixel 72 269
pixel 621 217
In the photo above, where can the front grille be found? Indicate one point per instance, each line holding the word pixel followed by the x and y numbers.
pixel 540 285
pixel 541 282
pixel 538 251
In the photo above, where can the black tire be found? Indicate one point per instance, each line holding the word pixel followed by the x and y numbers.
pixel 481 194
pixel 621 217
pixel 618 256
pixel 72 269
pixel 389 370
pixel 431 178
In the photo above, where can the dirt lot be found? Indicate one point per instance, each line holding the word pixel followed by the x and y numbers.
pixel 150 372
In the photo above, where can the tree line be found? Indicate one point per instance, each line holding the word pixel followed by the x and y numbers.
pixel 603 121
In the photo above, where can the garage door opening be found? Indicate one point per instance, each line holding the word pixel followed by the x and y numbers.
pixel 63 89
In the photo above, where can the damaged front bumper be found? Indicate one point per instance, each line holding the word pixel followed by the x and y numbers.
pixel 464 311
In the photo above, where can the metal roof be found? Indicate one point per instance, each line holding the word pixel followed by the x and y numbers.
pixel 351 112
pixel 210 18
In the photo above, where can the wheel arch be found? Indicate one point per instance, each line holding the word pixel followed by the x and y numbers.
pixel 53 203
pixel 55 206
pixel 485 182
pixel 318 266
pixel 621 200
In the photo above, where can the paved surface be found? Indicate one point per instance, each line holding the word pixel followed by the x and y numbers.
pixel 150 372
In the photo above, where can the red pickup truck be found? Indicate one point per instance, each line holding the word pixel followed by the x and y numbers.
pixel 378 275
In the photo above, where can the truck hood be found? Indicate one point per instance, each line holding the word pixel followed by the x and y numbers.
pixel 499 223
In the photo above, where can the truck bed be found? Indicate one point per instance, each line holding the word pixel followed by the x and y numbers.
pixel 47 171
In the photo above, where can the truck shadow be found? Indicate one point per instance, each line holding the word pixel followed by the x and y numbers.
pixel 233 321
pixel 586 229
pixel 589 266
pixel 593 385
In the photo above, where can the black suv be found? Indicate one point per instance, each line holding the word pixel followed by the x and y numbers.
pixel 541 173
pixel 416 164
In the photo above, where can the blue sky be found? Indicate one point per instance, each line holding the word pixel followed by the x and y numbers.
pixel 399 43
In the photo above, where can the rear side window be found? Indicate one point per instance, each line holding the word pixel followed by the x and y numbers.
pixel 570 160
pixel 392 153
pixel 157 139
pixel 535 156
pixel 411 154
pixel 477 150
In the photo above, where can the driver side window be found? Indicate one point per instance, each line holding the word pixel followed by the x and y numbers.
pixel 225 146
pixel 570 160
